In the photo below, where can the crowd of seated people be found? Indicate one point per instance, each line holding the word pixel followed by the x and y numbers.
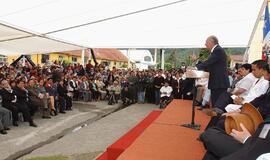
pixel 51 88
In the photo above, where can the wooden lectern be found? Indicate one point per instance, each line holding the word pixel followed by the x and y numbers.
pixel 195 74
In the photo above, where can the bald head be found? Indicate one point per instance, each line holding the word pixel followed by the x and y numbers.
pixel 211 41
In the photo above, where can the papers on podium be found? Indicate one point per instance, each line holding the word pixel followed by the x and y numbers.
pixel 232 107
pixel 191 73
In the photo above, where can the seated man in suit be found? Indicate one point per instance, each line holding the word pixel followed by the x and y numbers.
pixel 239 145
pixel 10 102
pixel 36 99
pixel 23 97
pixel 5 120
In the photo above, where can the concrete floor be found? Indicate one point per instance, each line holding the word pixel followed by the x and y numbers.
pixel 93 139
pixel 24 138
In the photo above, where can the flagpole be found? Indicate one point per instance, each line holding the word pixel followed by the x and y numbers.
pixel 255 28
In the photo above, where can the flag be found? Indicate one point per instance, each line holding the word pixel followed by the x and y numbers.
pixel 266 34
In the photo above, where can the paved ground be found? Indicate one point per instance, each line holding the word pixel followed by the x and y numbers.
pixel 93 139
pixel 22 139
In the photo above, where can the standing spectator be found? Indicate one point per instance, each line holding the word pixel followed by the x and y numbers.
pixel 132 79
pixel 158 83
pixel 89 66
pixel 150 92
pixel 141 85
pixel 177 86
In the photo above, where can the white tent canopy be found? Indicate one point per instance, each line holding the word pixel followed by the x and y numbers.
pixel 18 41
pixel 129 23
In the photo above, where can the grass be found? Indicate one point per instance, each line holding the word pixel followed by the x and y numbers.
pixel 50 158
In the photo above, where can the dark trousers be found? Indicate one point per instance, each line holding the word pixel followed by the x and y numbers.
pixel 68 101
pixel 62 103
pixel 223 100
pixel 32 108
pixel 22 107
pixel 217 121
pixel 14 110
pixel 218 144
pixel 215 94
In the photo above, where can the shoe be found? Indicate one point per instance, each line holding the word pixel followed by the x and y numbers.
pixel 3 132
pixel 209 112
pixel 32 124
pixel 197 103
pixel 46 117
pixel 63 112
pixel 200 108
pixel 55 113
pixel 15 124
pixel 6 128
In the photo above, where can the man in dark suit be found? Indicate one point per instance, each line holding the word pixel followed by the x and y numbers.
pixel 23 97
pixel 177 86
pixel 253 146
pixel 10 102
pixel 216 65
pixel 219 144
pixel 239 144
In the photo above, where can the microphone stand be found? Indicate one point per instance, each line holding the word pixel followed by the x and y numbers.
pixel 195 74
pixel 192 125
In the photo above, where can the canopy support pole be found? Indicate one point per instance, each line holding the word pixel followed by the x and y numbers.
pixel 162 59
pixel 83 51
pixel 155 58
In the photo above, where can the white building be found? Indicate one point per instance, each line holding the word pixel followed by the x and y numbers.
pixel 143 58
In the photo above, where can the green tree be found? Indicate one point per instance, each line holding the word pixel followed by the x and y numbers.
pixel 204 53
pixel 167 66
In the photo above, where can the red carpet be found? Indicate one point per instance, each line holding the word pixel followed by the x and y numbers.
pixel 125 141
pixel 164 139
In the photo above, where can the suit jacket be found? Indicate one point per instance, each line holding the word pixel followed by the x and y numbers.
pixel 33 95
pixel 62 90
pixel 22 95
pixel 176 84
pixel 7 98
pixel 262 103
pixel 253 147
pixel 216 65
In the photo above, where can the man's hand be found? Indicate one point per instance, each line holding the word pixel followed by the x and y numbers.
pixel 241 136
pixel 238 100
pixel 193 57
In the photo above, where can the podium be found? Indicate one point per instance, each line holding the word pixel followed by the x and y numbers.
pixel 194 74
